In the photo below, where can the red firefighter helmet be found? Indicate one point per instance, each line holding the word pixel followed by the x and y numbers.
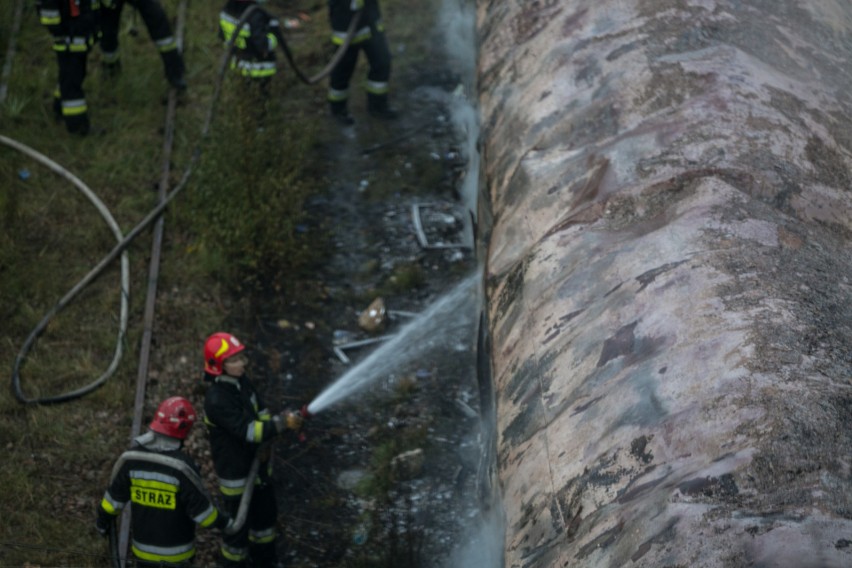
pixel 217 348
pixel 174 418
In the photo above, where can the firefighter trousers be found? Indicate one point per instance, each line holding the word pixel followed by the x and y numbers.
pixel 69 101
pixel 379 59
pixel 254 544
pixel 159 29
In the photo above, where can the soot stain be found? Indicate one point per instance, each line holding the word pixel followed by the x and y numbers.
pixel 630 493
pixel 638 447
pixel 649 276
pixel 668 534
pixel 601 542
pixel 583 407
pixel 619 345
pixel 554 331
pixel 536 16
pixel 722 487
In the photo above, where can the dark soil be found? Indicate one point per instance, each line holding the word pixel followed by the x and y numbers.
pixel 341 501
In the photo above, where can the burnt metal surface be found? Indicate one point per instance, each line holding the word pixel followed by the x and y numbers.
pixel 668 279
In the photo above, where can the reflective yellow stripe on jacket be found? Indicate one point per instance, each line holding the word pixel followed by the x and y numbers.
pixel 208 517
pixel 76 44
pixel 229 24
pixel 49 17
pixel 171 554
pixel 337 38
pixel 254 69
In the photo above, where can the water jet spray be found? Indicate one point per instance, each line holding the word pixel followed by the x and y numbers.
pixel 453 311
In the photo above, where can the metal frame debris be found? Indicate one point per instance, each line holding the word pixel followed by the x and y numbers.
pixel 339 349
pixel 421 235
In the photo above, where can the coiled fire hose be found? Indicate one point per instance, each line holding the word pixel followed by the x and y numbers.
pixel 125 287
pixel 152 216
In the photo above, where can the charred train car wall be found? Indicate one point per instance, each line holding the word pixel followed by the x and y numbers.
pixel 668 279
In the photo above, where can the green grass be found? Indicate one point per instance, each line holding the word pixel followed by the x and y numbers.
pixel 232 232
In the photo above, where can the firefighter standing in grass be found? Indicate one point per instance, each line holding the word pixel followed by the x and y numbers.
pixel 159 29
pixel 74 25
pixel 369 37
pixel 254 48
pixel 238 423
pixel 165 488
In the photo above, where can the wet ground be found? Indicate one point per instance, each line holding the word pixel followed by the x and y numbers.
pixel 345 499
pixel 388 476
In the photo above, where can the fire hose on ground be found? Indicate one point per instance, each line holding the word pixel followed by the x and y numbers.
pixel 240 519
pixel 124 242
pixel 149 219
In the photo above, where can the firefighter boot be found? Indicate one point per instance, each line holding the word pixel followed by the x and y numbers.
pixel 78 124
pixel 377 106
pixel 57 108
pixel 111 63
pixel 173 63
pixel 340 112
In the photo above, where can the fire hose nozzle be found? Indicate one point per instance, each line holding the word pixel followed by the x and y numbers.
pixel 305 413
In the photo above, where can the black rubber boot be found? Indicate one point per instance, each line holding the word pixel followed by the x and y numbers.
pixel 78 124
pixel 173 63
pixel 340 112
pixel 111 69
pixel 57 109
pixel 377 106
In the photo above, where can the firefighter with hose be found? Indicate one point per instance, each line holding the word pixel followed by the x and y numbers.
pixel 165 488
pixel 240 425
pixel 256 42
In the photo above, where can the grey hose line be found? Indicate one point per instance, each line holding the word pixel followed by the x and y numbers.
pixel 338 55
pixel 123 244
pixel 125 269
pixel 245 500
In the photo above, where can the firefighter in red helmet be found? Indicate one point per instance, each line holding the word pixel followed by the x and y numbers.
pixel 165 488
pixel 238 423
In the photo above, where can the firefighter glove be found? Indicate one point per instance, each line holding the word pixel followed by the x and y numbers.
pixel 294 420
pixel 287 420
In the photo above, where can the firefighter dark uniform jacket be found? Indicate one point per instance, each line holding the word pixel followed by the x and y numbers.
pixel 238 422
pixel 255 45
pixel 168 499
pixel 72 23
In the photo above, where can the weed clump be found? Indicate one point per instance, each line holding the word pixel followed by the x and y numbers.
pixel 247 213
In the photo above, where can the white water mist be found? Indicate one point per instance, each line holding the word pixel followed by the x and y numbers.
pixel 458 24
pixel 482 544
pixel 430 330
